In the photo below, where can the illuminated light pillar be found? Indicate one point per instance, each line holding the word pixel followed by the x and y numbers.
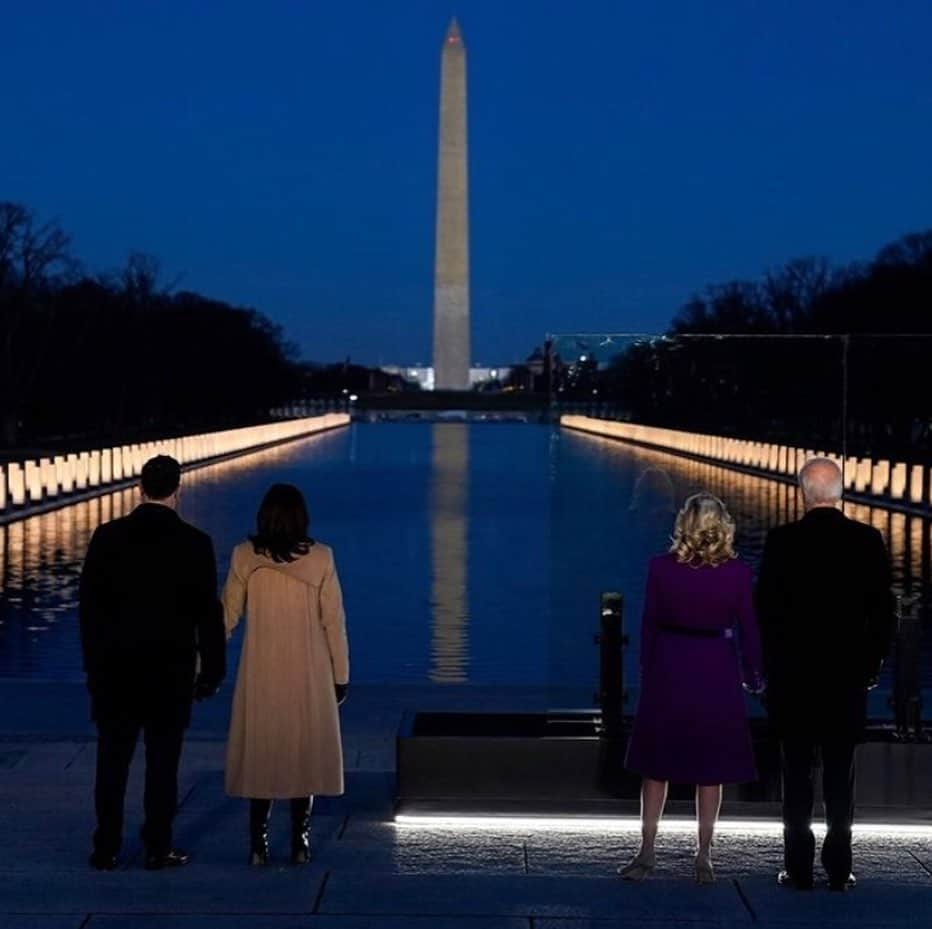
pixel 451 259
pixel 880 478
pixel 916 494
pixel 83 470
pixel 865 468
pixel 850 473
pixel 32 476
pixel 49 479
pixel 59 463
pixel 70 473
pixel 17 483
pixel 898 481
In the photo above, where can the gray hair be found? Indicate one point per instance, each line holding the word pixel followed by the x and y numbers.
pixel 821 482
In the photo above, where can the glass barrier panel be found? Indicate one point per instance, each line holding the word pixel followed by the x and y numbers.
pixel 889 484
pixel 645 421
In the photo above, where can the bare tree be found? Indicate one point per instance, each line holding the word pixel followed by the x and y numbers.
pixel 34 257
pixel 789 293
pixel 912 250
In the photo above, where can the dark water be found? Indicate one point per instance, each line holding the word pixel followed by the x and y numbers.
pixel 468 553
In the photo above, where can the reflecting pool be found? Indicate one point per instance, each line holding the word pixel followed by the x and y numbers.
pixel 468 553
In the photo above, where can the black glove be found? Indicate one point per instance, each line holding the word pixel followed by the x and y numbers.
pixel 341 691
pixel 205 687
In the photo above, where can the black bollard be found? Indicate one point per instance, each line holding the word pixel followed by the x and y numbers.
pixel 612 641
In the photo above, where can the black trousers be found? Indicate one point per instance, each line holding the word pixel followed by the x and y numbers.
pixel 800 756
pixel 116 743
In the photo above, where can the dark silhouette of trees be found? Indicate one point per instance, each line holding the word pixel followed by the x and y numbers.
pixel 34 259
pixel 122 356
pixel 811 354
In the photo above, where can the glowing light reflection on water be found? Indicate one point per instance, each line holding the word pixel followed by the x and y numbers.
pixel 468 553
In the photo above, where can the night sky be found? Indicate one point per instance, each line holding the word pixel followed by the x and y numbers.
pixel 622 155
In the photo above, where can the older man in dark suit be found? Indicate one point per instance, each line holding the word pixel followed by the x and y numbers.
pixel 826 615
pixel 148 611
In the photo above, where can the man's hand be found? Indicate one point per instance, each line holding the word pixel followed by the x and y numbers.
pixel 204 688
pixel 341 690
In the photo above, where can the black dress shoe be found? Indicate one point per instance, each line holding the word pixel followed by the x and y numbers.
pixel 848 883
pixel 102 862
pixel 171 859
pixel 785 879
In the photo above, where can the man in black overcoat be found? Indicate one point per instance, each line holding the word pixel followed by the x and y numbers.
pixel 148 612
pixel 827 618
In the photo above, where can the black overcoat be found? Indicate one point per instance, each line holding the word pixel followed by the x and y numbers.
pixel 148 610
pixel 827 617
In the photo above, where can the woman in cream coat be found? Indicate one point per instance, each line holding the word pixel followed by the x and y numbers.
pixel 294 668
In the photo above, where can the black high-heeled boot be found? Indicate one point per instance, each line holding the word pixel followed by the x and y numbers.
pixel 259 811
pixel 301 830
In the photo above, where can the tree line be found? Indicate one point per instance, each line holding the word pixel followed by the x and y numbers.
pixel 832 356
pixel 122 355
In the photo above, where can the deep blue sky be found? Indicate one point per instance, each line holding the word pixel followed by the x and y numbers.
pixel 623 155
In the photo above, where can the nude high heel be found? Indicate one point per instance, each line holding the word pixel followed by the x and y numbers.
pixel 638 867
pixel 705 873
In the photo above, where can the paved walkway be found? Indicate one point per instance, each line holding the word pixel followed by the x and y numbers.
pixel 367 872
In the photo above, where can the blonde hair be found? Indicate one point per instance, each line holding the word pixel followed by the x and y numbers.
pixel 704 532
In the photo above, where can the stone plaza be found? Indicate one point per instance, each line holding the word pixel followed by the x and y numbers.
pixel 367 871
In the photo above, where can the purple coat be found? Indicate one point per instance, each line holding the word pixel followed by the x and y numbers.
pixel 699 642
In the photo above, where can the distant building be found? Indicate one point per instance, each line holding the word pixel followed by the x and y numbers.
pixel 423 375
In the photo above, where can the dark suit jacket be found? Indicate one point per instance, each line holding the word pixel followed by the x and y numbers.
pixel 827 617
pixel 148 609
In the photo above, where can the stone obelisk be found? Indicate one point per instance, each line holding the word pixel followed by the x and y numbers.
pixel 451 267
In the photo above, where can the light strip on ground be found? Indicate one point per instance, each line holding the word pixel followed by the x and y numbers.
pixel 618 825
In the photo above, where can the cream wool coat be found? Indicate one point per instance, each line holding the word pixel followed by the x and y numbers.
pixel 285 730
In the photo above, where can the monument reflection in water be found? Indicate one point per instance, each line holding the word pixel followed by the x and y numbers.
pixel 469 553
pixel 448 552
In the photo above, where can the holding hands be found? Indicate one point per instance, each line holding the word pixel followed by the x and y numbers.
pixel 205 687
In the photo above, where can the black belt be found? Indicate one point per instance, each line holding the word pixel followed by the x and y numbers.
pixel 698 632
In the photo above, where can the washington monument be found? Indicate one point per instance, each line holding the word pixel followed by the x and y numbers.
pixel 451 267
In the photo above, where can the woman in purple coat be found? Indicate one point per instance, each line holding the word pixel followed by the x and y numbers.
pixel 700 646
